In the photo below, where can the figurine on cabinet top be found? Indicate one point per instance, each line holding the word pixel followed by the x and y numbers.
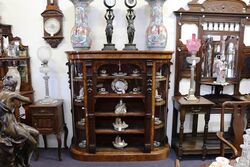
pixel 109 16
pixel 130 28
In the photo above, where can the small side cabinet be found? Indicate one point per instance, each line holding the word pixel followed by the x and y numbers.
pixel 49 119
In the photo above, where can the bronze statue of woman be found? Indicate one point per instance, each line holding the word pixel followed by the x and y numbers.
pixel 109 28
pixel 131 28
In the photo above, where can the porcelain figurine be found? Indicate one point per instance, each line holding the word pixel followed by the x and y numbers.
pixel 119 143
pixel 119 125
pixel 120 107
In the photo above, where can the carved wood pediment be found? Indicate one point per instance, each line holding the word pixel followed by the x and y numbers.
pixel 218 6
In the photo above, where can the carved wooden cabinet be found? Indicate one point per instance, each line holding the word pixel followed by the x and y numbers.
pixel 16 55
pixel 221 25
pixel 119 101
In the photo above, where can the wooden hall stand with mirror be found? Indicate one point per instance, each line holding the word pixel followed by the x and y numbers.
pixel 119 104
pixel 220 24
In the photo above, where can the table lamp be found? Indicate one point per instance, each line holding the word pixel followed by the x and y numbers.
pixel 193 46
pixel 44 55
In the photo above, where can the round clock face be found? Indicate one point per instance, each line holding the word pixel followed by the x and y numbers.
pixel 130 3
pixel 109 3
pixel 52 26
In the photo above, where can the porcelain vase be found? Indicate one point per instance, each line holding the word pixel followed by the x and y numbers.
pixel 156 32
pixel 14 73
pixel 80 33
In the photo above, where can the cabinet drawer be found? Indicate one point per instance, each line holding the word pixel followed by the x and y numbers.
pixel 43 112
pixel 44 124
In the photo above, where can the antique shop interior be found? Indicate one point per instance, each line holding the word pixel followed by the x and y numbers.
pixel 125 83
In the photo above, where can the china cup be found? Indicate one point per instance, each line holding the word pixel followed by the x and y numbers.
pixel 224 162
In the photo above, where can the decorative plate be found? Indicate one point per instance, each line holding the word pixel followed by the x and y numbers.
pixel 119 86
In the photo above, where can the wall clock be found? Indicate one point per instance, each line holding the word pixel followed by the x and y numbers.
pixel 53 23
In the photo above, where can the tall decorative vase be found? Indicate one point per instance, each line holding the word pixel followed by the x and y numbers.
pixel 80 34
pixel 156 31
pixel 14 73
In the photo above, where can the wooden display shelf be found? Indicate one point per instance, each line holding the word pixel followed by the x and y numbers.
pixel 80 127
pixel 127 154
pixel 193 145
pixel 161 79
pixel 126 131
pixel 115 95
pixel 160 103
pixel 127 77
pixel 159 126
pixel 77 79
pixel 78 104
pixel 128 114
pixel 8 58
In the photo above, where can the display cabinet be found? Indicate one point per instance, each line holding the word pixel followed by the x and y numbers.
pixel 119 101
pixel 221 25
pixel 15 54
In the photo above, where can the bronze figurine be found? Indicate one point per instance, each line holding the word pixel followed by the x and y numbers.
pixel 17 140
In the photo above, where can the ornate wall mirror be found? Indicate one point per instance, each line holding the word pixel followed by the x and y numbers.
pixel 219 47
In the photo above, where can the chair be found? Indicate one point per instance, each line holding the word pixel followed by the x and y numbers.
pixel 238 124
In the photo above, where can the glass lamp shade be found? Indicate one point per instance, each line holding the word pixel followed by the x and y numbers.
pixel 193 45
pixel 44 54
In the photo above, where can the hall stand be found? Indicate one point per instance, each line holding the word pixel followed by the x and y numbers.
pixel 220 26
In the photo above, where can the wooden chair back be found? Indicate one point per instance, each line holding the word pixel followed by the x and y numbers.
pixel 240 109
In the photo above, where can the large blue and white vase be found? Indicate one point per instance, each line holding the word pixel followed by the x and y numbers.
pixel 156 32
pixel 80 33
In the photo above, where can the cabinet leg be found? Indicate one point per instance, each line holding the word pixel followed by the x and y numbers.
pixel 204 147
pixel 45 141
pixel 65 135
pixel 58 136
pixel 181 133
